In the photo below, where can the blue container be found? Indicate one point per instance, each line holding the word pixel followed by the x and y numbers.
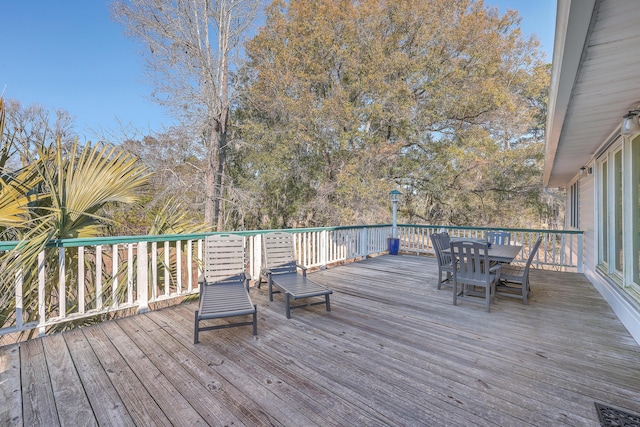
pixel 394 245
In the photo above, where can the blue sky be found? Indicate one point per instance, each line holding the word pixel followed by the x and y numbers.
pixel 70 55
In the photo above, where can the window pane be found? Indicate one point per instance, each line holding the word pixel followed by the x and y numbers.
pixel 635 172
pixel 617 168
pixel 604 214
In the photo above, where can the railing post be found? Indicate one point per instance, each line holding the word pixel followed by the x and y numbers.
pixel 42 315
pixel 200 257
pixel 580 243
pixel 178 267
pixel 255 257
pixel 154 270
pixel 62 291
pixel 114 275
pixel 324 248
pixel 99 277
pixel 81 279
pixel 143 278
pixel 189 265
pixel 364 243
pixel 19 302
pixel 130 272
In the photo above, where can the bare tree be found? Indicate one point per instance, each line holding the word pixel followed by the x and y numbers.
pixel 188 50
pixel 32 127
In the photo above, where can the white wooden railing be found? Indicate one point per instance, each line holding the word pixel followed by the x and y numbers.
pixel 559 250
pixel 101 276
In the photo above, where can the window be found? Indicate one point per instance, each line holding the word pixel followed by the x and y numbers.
pixel 618 213
pixel 604 214
pixel 573 209
pixel 617 188
pixel 635 186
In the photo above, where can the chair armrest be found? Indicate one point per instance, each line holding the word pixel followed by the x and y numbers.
pixel 495 268
pixel 247 278
pixel 303 268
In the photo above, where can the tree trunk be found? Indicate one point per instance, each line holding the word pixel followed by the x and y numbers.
pixel 210 179
pixel 221 170
pixel 215 172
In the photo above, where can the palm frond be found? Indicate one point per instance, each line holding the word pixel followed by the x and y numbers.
pixel 87 180
pixel 173 218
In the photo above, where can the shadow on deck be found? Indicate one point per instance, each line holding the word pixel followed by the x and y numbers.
pixel 393 351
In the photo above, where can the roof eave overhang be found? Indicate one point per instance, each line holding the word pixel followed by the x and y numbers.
pixel 572 29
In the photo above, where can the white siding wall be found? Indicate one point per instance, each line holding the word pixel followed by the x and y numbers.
pixel 587 220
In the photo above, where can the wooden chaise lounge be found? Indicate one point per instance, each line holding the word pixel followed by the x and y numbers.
pixel 224 285
pixel 280 271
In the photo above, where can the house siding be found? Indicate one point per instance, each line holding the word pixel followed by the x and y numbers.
pixel 587 220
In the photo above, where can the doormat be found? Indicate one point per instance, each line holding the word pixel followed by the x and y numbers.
pixel 613 417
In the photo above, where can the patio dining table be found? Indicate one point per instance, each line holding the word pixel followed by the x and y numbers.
pixel 497 253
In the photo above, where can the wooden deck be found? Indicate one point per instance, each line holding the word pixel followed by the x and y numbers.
pixel 393 351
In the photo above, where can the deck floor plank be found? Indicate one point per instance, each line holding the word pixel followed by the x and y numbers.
pixel 10 392
pixel 266 382
pixel 161 351
pixel 108 407
pixel 439 367
pixel 38 403
pixel 393 351
pixel 175 406
pixel 72 403
pixel 316 396
pixel 142 408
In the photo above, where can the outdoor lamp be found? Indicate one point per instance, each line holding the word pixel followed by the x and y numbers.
pixel 630 122
pixel 394 197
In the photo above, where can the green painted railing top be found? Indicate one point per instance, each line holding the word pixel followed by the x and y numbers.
pixel 520 230
pixel 112 240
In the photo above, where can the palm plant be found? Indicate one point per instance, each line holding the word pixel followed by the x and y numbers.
pixel 59 196
pixel 15 188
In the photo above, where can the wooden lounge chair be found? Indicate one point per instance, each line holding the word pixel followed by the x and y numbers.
pixel 514 279
pixel 224 285
pixel 280 270
pixel 441 241
pixel 472 270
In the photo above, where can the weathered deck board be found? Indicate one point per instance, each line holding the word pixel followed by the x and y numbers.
pixel 142 408
pixel 10 392
pixel 72 403
pixel 393 351
pixel 108 407
pixel 38 404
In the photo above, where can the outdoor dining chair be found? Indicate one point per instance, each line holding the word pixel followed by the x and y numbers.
pixel 471 270
pixel 441 241
pixel 499 237
pixel 514 279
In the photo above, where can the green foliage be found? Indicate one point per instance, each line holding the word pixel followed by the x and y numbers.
pixel 343 101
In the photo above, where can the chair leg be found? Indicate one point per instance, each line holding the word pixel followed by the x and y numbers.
pixel 195 329
pixel 270 289
pixel 487 295
pixel 439 278
pixel 455 292
pixel 327 301
pixel 255 319
pixel 288 302
pixel 525 292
